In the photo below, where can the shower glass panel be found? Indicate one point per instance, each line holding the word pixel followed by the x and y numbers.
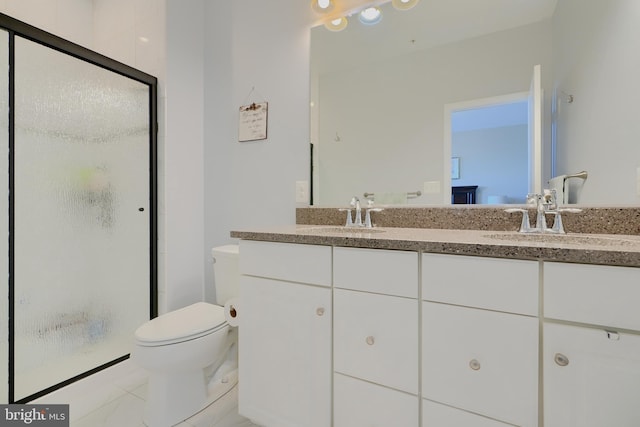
pixel 82 215
pixel 4 215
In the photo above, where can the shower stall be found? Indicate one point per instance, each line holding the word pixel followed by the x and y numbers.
pixel 78 177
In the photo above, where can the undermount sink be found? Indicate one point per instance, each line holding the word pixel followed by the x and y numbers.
pixel 571 239
pixel 341 230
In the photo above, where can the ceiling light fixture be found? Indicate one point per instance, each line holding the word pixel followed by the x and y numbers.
pixel 337 24
pixel 322 6
pixel 370 16
pixel 404 4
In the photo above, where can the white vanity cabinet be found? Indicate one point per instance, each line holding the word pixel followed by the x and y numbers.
pixel 285 334
pixel 591 346
pixel 354 337
pixel 375 338
pixel 480 334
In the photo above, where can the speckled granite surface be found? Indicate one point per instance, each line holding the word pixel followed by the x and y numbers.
pixel 623 250
pixel 599 220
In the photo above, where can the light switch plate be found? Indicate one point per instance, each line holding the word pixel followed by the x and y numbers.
pixel 302 191
pixel 431 187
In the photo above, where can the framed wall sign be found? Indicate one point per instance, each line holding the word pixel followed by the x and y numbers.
pixel 252 122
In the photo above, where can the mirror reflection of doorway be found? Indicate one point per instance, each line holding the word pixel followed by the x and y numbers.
pixel 489 139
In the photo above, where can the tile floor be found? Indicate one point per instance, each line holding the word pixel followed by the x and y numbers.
pixel 115 398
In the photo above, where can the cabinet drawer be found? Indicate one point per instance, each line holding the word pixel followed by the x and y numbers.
pixel 375 270
pixel 491 283
pixel 596 379
pixel 597 294
pixel 286 261
pixel 361 404
pixel 437 415
pixel 376 338
pixel 481 361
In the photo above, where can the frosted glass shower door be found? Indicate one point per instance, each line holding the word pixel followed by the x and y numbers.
pixel 82 223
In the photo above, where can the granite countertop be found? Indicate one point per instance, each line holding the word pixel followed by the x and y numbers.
pixel 604 249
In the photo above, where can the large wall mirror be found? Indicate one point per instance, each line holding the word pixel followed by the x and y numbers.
pixel 382 96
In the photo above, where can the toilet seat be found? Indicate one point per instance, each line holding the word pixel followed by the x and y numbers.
pixel 188 323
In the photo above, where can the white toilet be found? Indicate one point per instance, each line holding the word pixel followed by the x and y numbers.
pixel 190 353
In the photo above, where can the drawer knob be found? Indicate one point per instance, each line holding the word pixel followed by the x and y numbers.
pixel 561 359
pixel 474 364
pixel 320 311
pixel 370 340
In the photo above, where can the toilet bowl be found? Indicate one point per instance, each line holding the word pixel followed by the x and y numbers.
pixel 190 353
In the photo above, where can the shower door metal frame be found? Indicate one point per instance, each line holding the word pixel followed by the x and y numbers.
pixel 15 28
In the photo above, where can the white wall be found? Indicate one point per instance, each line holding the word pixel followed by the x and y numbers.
pixel 596 60
pixel 69 19
pixel 183 152
pixel 495 160
pixel 262 45
pixel 399 126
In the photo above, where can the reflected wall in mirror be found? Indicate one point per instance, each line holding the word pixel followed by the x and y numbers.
pixel 379 95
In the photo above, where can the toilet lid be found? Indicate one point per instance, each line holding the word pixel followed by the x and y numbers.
pixel 187 323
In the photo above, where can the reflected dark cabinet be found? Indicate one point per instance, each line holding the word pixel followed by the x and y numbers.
pixel 465 195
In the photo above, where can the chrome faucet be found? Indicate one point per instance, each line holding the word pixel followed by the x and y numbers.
pixel 546 204
pixel 551 207
pixel 355 202
pixel 357 222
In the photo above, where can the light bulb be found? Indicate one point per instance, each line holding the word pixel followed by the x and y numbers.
pixel 370 16
pixel 337 24
pixel 322 6
pixel 404 4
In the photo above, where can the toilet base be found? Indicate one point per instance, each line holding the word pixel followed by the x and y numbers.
pixel 175 398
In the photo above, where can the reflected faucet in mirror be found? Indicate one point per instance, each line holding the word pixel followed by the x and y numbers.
pixel 567 193
pixel 392 198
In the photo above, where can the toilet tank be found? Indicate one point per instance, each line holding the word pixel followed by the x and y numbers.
pixel 226 274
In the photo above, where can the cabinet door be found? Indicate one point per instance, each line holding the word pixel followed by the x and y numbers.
pixel 363 404
pixel 481 361
pixel 376 338
pixel 591 377
pixel 285 353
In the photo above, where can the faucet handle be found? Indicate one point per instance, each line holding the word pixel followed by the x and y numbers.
pixel 367 219
pixel 349 222
pixel 558 226
pixel 525 225
pixel 549 199
pixel 533 198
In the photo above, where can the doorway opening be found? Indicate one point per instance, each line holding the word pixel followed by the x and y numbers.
pixel 487 149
